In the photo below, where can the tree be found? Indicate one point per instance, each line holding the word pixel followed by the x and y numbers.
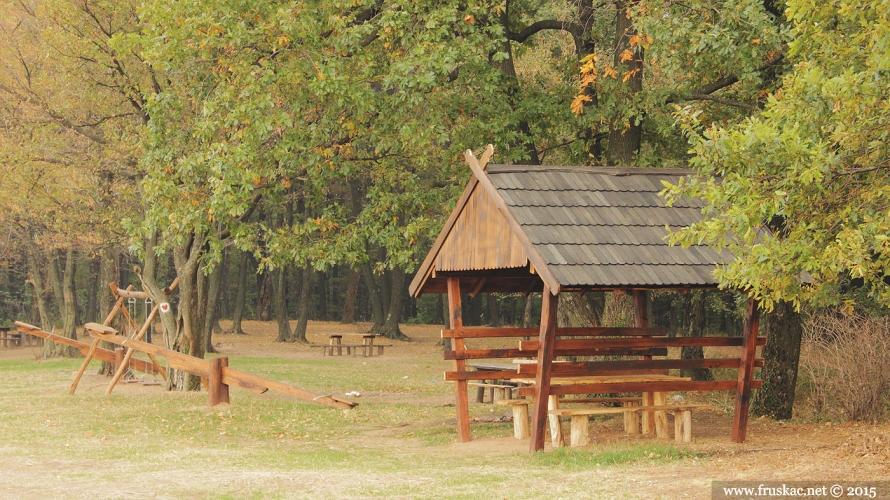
pixel 70 113
pixel 812 168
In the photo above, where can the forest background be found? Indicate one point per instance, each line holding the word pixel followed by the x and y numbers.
pixel 295 160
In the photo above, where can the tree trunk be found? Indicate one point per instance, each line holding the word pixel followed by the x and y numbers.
pixel 279 299
pixel 391 325
pixel 212 293
pixel 322 296
pixel 91 311
pixel 41 294
pixel 69 306
pixel 625 133
pixel 695 310
pixel 108 273
pixel 264 297
pixel 299 334
pixel 527 311
pixel 240 294
pixel 783 328
pixel 351 294
pixel 493 312
pixel 374 298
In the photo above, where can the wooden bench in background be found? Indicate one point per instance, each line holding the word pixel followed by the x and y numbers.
pixel 335 346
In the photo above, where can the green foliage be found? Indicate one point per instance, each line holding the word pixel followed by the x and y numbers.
pixel 813 167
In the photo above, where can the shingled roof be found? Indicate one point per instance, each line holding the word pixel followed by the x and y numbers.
pixel 574 227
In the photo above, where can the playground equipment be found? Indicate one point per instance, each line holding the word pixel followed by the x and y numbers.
pixel 215 374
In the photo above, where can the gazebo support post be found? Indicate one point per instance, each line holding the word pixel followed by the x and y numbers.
pixel 651 421
pixel 460 386
pixel 547 338
pixel 746 372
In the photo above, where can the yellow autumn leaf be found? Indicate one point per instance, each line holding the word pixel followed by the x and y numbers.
pixel 635 40
pixel 610 72
pixel 578 103
pixel 626 55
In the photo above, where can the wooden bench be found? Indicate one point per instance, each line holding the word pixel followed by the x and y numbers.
pixel 8 337
pixel 496 391
pixel 580 423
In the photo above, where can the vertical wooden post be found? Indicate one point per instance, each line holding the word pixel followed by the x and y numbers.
pixel 217 391
pixel 455 318
pixel 746 372
pixel 547 338
pixel 118 358
pixel 641 320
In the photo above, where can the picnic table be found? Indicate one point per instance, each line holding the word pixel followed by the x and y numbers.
pixel 335 346
pixel 498 388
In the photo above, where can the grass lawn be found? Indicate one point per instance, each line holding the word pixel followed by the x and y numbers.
pixel 400 442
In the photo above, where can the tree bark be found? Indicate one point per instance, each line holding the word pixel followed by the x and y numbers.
pixel 349 300
pixel 299 334
pixel 91 310
pixel 695 311
pixel 240 294
pixel 374 298
pixel 783 328
pixel 41 294
pixel 494 319
pixel 625 133
pixel 264 297
pixel 391 325
pixel 108 273
pixel 279 299
pixel 69 302
pixel 212 293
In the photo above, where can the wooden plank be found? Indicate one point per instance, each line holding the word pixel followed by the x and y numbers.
pixel 480 375
pixel 252 382
pixel 92 350
pixel 569 369
pixel 718 385
pixel 463 354
pixel 571 344
pixel 475 333
pixel 517 353
pixel 545 359
pixel 175 359
pixel 746 372
pixel 462 403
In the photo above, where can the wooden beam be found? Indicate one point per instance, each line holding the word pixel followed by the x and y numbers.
pixel 480 333
pixel 481 375
pixel 542 378
pixel 486 156
pixel 462 404
pixel 590 368
pixel 477 287
pixel 667 386
pixel 613 343
pixel 746 372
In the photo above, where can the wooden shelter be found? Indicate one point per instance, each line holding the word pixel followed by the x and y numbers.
pixel 521 228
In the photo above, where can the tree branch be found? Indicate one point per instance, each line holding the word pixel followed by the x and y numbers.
pixel 576 30
pixel 719 100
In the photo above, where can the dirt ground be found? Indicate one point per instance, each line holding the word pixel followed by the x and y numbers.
pixel 795 451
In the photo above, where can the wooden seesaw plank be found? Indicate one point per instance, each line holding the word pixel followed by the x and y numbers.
pixel 100 354
pixel 202 368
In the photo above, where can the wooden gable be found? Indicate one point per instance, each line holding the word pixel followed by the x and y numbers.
pixel 481 238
